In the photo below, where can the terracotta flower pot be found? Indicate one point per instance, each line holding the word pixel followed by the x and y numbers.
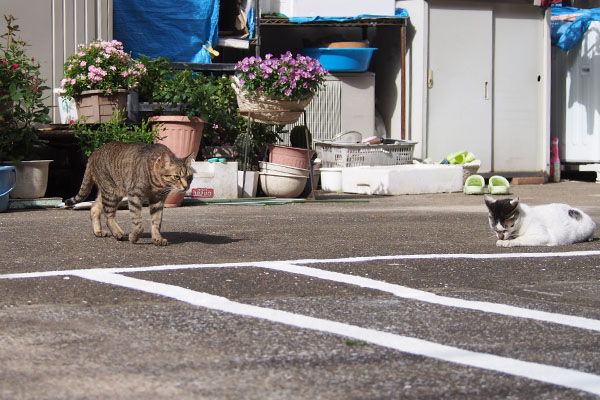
pixel 97 107
pixel 287 155
pixel 182 136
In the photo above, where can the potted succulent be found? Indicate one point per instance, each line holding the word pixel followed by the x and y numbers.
pixel 21 113
pixel 266 87
pixel 98 76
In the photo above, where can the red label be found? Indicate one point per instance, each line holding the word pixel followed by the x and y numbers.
pixel 203 193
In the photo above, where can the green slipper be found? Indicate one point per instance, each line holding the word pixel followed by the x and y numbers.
pixel 498 185
pixel 460 157
pixel 456 158
pixel 474 185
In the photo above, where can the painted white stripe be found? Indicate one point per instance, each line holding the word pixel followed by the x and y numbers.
pixel 544 373
pixel 420 295
pixel 482 256
pixel 397 290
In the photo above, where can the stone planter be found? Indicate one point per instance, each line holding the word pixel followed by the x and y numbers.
pixel 182 136
pixel 97 107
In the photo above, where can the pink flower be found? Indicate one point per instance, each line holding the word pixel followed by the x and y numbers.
pixel 83 63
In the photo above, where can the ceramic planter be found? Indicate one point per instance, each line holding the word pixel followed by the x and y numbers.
pixel 33 179
pixel 182 136
pixel 97 107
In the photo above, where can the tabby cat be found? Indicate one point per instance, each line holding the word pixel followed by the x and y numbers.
pixel 138 171
pixel 517 224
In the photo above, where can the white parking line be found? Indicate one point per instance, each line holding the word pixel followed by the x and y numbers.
pixel 544 373
pixel 397 290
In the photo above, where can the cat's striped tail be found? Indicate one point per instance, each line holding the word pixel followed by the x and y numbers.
pixel 84 190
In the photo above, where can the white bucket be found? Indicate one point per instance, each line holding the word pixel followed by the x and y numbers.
pixel 331 179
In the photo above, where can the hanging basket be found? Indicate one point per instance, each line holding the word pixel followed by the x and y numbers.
pixel 268 110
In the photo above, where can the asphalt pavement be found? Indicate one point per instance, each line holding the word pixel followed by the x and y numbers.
pixel 348 297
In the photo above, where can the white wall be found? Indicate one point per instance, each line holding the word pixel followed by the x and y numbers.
pixel 55 28
pixel 416 74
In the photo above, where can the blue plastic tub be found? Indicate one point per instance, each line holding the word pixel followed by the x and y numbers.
pixel 8 180
pixel 342 59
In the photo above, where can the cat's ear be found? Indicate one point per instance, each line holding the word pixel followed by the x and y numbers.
pixel 514 202
pixel 164 160
pixel 189 159
pixel 489 200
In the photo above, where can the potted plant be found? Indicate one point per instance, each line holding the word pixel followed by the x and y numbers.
pixel 276 90
pixel 228 135
pixel 225 123
pixel 98 76
pixel 91 137
pixel 184 100
pixel 22 111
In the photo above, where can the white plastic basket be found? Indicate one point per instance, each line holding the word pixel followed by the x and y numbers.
pixel 334 155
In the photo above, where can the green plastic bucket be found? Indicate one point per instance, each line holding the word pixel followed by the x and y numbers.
pixel 8 180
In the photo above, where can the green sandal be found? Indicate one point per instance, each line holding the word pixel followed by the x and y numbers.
pixel 460 157
pixel 498 185
pixel 474 185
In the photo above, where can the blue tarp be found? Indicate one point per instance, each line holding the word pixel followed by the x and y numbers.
pixel 566 34
pixel 173 29
pixel 400 13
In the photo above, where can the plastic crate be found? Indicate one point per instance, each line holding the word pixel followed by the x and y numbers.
pixel 334 155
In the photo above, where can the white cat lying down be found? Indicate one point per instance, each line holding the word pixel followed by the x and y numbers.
pixel 517 224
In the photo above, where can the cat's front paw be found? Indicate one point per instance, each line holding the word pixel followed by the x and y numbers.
pixel 134 236
pixel 160 241
pixel 505 243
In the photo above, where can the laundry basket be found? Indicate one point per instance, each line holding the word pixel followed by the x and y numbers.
pixel 334 155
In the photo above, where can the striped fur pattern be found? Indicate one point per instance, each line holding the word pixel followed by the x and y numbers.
pixel 140 172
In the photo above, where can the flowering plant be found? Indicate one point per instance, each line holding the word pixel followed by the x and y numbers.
pixel 22 107
pixel 101 65
pixel 284 78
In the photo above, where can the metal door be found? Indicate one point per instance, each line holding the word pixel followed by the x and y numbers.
pixel 460 81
